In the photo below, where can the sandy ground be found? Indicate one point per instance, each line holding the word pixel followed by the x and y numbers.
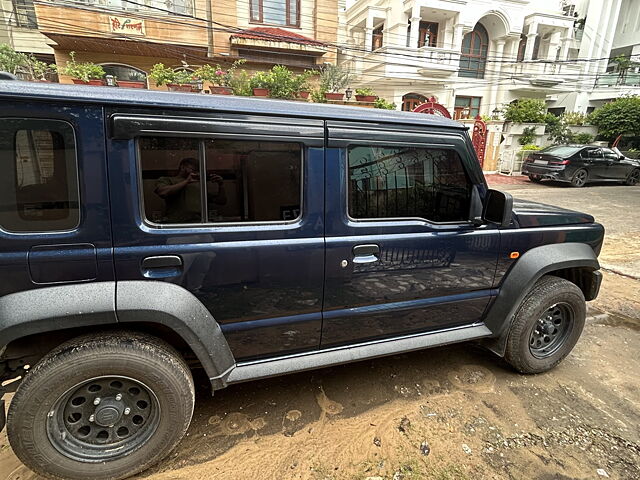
pixel 447 413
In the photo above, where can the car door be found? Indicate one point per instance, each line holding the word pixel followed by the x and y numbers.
pixel 248 241
pixel 401 254
pixel 597 165
pixel 616 170
pixel 54 208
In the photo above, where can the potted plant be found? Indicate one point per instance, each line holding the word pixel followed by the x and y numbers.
pixel 332 79
pixel 39 71
pixel 260 83
pixel 282 83
pixel 300 84
pixel 365 95
pixel 383 104
pixel 240 84
pixel 220 79
pixel 137 80
pixel 525 112
pixel 11 61
pixel 175 80
pixel 85 73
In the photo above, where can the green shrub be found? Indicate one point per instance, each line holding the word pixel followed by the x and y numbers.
pixel 317 95
pixel 334 78
pixel 574 118
pixel 618 117
pixel 528 136
pixel 240 84
pixel 281 83
pixel 84 71
pixel 525 110
pixel 531 146
pixel 12 61
pixel 366 92
pixel 582 138
pixel 260 80
pixel 300 83
pixel 383 104
pixel 217 75
pixel 162 75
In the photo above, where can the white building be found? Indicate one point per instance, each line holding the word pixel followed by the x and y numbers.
pixel 475 56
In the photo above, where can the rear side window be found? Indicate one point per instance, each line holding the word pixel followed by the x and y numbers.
pixel 39 180
pixel 190 181
pixel 428 183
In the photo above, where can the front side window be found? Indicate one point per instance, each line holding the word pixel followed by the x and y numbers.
pixel 394 182
pixel 246 181
pixel 39 181
pixel 275 12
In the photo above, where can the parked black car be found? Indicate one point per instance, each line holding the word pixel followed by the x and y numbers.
pixel 319 235
pixel 579 164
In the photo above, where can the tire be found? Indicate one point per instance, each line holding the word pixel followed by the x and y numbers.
pixel 528 350
pixel 579 178
pixel 535 179
pixel 47 422
pixel 633 178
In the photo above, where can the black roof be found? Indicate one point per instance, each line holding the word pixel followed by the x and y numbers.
pixel 225 103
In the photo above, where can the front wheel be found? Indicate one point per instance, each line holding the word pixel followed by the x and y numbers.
pixel 633 178
pixel 547 325
pixel 104 406
pixel 579 178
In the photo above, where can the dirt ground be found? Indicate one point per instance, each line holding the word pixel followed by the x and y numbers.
pixel 448 413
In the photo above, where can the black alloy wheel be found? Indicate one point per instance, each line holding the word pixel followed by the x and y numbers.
pixel 103 418
pixel 579 178
pixel 551 330
pixel 633 178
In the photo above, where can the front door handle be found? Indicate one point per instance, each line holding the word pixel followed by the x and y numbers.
pixel 366 253
pixel 162 266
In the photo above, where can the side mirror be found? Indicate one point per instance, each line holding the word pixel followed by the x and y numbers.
pixel 498 207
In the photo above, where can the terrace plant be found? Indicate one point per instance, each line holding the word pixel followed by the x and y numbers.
pixel 82 71
pixel 383 104
pixel 12 61
pixel 334 78
pixel 525 110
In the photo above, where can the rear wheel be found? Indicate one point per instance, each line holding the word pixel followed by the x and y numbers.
pixel 579 178
pixel 535 178
pixel 633 178
pixel 105 406
pixel 547 325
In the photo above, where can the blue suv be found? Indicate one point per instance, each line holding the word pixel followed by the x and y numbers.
pixel 146 234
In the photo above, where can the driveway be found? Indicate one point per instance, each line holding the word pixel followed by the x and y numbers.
pixel 447 413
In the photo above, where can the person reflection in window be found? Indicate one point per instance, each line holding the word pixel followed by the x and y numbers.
pixel 182 192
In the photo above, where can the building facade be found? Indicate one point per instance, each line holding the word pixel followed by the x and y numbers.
pixel 475 56
pixel 128 37
pixel 19 29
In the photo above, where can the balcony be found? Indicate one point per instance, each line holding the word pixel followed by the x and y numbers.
pixel 410 63
pixel 614 79
pixel 545 74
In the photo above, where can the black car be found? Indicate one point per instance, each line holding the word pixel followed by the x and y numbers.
pixel 579 164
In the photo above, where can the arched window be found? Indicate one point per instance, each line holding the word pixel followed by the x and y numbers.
pixel 125 73
pixel 522 46
pixel 474 53
pixel 411 101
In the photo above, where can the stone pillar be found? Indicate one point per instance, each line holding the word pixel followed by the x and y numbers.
pixel 531 41
pixel 565 43
pixel 457 37
pixel 554 45
pixel 498 54
pixel 415 31
pixel 368 33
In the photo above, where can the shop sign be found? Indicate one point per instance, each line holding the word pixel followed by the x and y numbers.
pixel 126 25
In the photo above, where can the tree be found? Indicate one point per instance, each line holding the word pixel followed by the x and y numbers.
pixel 525 110
pixel 622 116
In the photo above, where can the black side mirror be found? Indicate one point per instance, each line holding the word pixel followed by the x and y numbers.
pixel 498 207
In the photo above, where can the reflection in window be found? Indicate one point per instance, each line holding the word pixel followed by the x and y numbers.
pixel 246 181
pixel 39 186
pixel 407 183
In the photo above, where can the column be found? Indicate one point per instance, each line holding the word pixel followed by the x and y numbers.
pixel 415 31
pixel 565 43
pixel 457 37
pixel 498 54
pixel 528 51
pixel 368 34
pixel 554 45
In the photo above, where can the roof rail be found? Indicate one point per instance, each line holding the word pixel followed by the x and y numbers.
pixel 7 76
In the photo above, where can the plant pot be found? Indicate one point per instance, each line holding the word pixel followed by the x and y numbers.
pixel 302 94
pixel 93 81
pixel 131 84
pixel 366 98
pixel 260 92
pixel 333 96
pixel 221 90
pixel 180 87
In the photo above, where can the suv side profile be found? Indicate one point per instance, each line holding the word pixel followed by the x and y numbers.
pixel 146 234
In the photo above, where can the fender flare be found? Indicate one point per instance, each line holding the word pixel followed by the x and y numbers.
pixel 176 308
pixel 57 307
pixel 531 266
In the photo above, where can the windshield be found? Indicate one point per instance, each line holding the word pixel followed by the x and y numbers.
pixel 560 150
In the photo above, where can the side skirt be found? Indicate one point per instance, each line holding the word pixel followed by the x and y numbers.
pixel 352 353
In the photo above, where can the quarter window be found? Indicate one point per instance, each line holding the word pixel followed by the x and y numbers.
pixel 246 181
pixel 39 181
pixel 391 182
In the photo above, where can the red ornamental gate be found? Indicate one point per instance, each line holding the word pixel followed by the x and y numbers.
pixel 479 136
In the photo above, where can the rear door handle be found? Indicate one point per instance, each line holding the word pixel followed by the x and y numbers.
pixel 162 266
pixel 366 253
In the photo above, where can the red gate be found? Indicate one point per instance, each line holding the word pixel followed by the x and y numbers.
pixel 479 139
pixel 433 107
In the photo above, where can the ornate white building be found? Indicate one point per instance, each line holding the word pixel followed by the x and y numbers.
pixel 475 56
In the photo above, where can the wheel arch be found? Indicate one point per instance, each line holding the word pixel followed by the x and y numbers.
pixel 575 262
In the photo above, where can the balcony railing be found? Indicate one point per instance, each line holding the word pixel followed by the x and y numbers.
pixel 615 79
pixel 406 61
